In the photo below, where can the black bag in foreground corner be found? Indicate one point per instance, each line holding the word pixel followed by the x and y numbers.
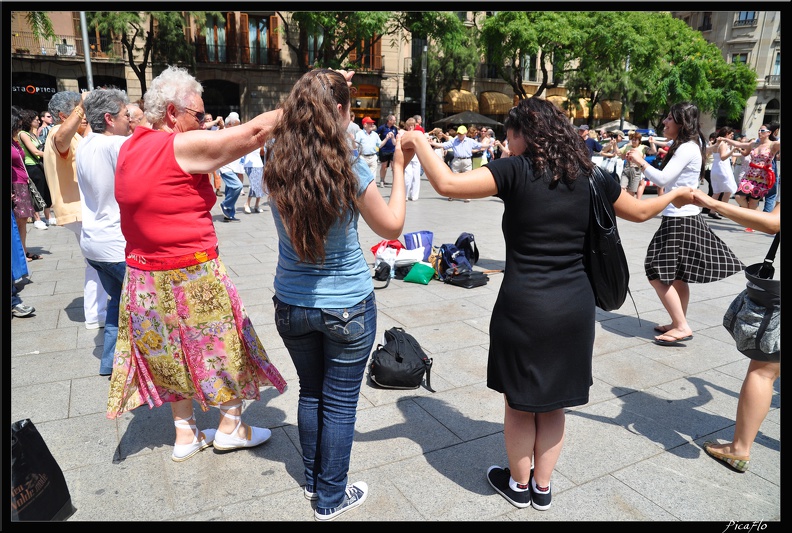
pixel 38 488
pixel 400 363
pixel 604 259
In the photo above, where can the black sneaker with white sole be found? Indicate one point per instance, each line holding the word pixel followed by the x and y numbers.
pixel 499 479
pixel 354 496
pixel 541 500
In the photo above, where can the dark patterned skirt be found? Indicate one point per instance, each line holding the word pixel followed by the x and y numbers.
pixel 23 203
pixel 686 249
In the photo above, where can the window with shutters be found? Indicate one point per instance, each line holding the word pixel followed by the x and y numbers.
pixel 215 35
pixel 101 44
pixel 367 55
pixel 254 39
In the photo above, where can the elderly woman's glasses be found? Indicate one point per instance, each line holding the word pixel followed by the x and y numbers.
pixel 199 115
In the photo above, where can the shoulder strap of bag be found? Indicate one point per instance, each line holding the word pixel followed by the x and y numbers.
pixel 766 271
pixel 596 178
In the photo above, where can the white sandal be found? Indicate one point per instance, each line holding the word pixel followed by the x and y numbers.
pixel 204 439
pixel 255 435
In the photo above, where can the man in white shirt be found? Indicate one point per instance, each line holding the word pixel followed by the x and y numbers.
pixel 101 241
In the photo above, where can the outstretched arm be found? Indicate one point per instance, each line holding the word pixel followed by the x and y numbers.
pixel 630 208
pixel 477 183
pixel 387 219
pixel 750 218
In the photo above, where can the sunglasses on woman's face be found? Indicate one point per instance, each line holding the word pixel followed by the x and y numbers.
pixel 764 131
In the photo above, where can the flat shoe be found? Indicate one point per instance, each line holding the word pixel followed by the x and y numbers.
pixel 254 436
pixel 737 463
pixel 247 209
pixel 33 257
pixel 674 342
pixel 182 452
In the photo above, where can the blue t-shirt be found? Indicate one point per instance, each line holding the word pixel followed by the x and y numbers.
pixel 344 278
pixel 390 146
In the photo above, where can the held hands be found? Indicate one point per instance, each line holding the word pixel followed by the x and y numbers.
pixel 402 155
pixel 685 196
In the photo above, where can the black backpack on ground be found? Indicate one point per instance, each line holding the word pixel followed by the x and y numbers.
pixel 400 363
pixel 467 243
pixel 451 261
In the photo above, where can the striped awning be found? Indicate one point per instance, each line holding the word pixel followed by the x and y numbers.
pixel 494 103
pixel 459 100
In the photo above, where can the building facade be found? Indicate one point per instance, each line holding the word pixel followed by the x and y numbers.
pixel 244 65
pixel 753 38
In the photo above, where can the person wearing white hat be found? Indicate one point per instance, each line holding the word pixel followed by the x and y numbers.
pixel 462 146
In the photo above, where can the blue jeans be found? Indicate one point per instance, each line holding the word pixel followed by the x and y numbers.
pixel 233 188
pixel 330 350
pixel 770 197
pixel 15 299
pixel 112 277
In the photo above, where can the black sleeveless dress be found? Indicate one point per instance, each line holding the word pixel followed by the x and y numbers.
pixel 542 326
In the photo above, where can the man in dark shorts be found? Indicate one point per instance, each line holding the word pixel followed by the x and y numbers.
pixel 387 131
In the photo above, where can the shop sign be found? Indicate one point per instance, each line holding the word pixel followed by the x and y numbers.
pixel 33 89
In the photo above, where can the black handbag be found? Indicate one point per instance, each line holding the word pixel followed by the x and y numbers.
pixel 754 317
pixel 603 258
pixel 38 488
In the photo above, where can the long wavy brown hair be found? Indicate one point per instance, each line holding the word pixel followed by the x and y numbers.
pixel 309 165
pixel 552 143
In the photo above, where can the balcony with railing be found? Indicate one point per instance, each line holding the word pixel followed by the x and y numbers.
pixel 773 80
pixel 64 46
pixel 236 55
pixel 745 23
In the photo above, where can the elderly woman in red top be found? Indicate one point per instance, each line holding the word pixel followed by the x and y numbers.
pixel 183 333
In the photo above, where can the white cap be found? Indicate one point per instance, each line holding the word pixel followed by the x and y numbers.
pixel 232 117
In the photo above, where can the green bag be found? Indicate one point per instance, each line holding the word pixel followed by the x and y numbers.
pixel 420 273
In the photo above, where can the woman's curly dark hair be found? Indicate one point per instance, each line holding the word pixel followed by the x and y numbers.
pixel 686 115
pixel 553 144
pixel 309 165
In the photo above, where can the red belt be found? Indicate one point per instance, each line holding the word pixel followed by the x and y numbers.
pixel 170 263
pixel 768 172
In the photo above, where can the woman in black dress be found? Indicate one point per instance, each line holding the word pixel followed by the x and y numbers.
pixel 542 326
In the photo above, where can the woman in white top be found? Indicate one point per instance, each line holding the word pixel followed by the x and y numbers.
pixel 684 249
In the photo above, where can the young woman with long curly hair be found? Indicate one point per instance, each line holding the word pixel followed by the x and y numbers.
pixel 325 310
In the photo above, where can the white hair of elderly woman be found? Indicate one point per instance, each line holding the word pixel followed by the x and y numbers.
pixel 232 119
pixel 173 86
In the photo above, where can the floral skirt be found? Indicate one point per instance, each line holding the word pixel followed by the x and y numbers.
pixel 23 202
pixel 184 334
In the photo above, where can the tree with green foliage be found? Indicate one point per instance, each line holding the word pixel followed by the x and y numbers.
pixel 40 24
pixel 326 38
pixel 451 55
pixel 647 60
pixel 691 69
pixel 508 38
pixel 151 36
